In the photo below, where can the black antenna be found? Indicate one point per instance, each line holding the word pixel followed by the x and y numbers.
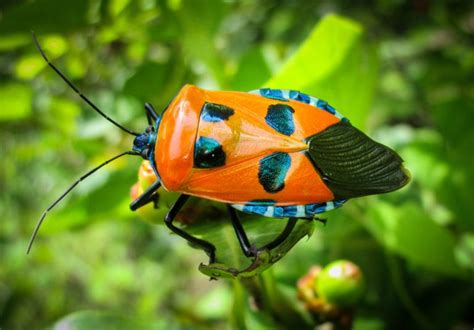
pixel 68 190
pixel 93 106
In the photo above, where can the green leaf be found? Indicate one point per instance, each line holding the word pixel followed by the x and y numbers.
pixel 252 72
pixel 407 231
pixel 231 261
pixel 335 65
pixel 147 80
pixel 198 33
pixel 12 41
pixel 155 82
pixel 209 221
pixel 15 101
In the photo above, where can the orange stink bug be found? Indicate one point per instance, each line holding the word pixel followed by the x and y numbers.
pixel 276 153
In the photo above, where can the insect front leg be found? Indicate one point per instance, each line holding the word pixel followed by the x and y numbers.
pixel 151 114
pixel 205 245
pixel 150 195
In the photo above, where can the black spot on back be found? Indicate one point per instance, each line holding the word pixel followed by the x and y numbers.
pixel 213 112
pixel 208 153
pixel 273 170
pixel 280 118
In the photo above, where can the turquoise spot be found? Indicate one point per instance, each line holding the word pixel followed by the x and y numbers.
pixel 272 171
pixel 208 153
pixel 213 112
pixel 280 118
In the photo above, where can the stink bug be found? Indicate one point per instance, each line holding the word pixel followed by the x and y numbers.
pixel 276 153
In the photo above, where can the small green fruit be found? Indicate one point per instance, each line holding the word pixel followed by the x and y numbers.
pixel 340 283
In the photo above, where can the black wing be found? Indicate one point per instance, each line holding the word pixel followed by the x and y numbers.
pixel 352 164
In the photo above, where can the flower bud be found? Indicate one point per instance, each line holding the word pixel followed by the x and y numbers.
pixel 146 176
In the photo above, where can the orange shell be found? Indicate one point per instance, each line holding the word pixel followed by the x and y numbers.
pixel 245 138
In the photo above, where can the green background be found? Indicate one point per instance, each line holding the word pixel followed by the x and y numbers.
pixel 400 70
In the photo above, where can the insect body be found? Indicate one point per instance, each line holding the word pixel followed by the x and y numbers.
pixel 276 153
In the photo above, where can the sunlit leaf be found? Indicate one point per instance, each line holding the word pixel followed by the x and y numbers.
pixel 117 6
pixel 333 64
pixel 29 66
pixel 15 101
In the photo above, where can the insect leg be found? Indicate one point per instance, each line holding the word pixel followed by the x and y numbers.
pixel 205 245
pixel 151 114
pixel 150 195
pixel 247 248
pixel 283 236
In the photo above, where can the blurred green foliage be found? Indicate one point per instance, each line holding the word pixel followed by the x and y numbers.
pixel 401 70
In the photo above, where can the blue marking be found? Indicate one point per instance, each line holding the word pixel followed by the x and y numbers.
pixel 325 106
pixel 280 118
pixel 298 96
pixel 286 95
pixel 151 159
pixel 275 94
pixel 339 202
pixel 312 209
pixel 278 212
pixel 151 156
pixel 289 211
pixel 267 208
pixel 258 206
pixel 257 209
pixel 273 170
pixel 212 112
